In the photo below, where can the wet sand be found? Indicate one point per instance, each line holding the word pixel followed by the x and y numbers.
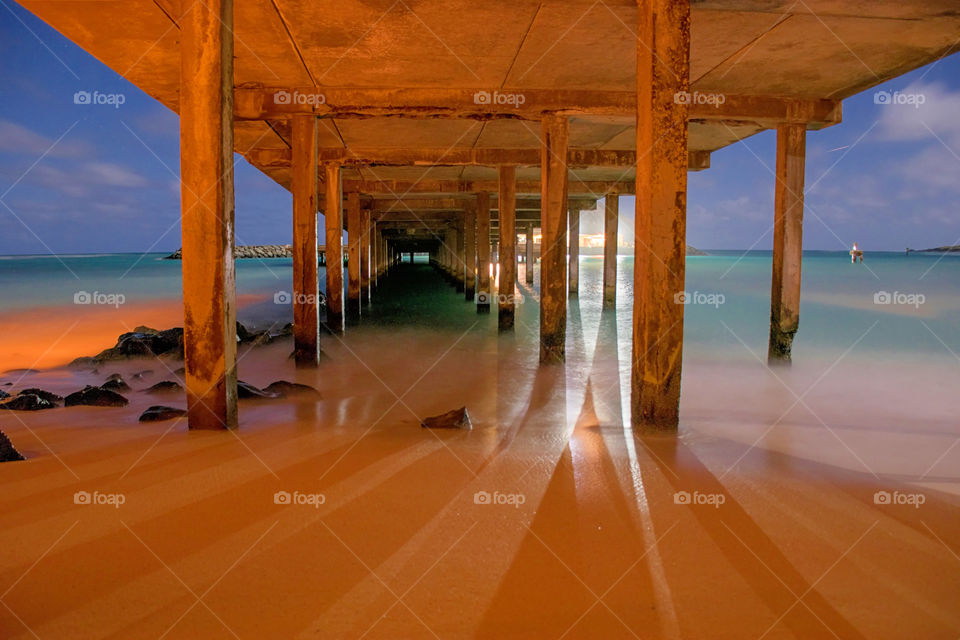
pixel 585 533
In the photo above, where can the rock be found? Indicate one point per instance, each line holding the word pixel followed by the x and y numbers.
pixel 7 451
pixel 4 395
pixel 242 334
pixel 148 342
pixel 282 388
pixel 52 398
pixel 456 419
pixel 145 329
pixel 691 251
pixel 158 412
pixel 95 397
pixel 165 386
pixel 27 402
pixel 115 384
pixel 287 330
pixel 84 362
pixel 261 338
pixel 248 391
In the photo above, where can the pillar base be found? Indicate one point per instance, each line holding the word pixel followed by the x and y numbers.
pixel 781 343
pixel 506 319
pixel 469 293
pixel 334 323
pixel 483 307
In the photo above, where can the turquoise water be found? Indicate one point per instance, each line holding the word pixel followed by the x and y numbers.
pixel 731 292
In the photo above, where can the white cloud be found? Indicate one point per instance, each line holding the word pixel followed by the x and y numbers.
pixel 17 139
pixel 935 118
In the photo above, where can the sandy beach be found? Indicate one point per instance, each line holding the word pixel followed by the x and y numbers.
pixel 549 519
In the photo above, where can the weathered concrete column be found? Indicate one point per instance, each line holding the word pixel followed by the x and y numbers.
pixel 553 241
pixel 365 236
pixel 207 215
pixel 303 181
pixel 483 252
pixel 530 259
pixel 354 235
pixel 461 260
pixel 663 69
pixel 374 253
pixel 470 251
pixel 333 219
pixel 508 245
pixel 573 279
pixel 611 220
pixel 787 240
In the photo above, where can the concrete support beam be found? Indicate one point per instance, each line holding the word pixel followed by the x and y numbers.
pixel 365 235
pixel 573 279
pixel 354 235
pixel 207 214
pixel 611 220
pixel 529 258
pixel 470 251
pixel 306 315
pixel 333 219
pixel 787 241
pixel 483 252
pixel 663 70
pixel 507 254
pixel 460 261
pixel 555 135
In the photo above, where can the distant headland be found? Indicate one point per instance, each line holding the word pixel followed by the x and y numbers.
pixel 946 249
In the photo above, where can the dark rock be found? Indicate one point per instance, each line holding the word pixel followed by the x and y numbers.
pixel 4 395
pixel 114 376
pixel 283 389
pixel 8 384
pixel 115 384
pixel 260 338
pixel 242 334
pixel 52 398
pixel 180 372
pixel 144 344
pixel 287 330
pixel 144 329
pixel 84 362
pixel 456 419
pixel 247 391
pixel 27 402
pixel 7 451
pixel 158 412
pixel 95 397
pixel 165 386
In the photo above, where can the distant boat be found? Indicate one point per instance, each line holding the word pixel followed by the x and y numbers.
pixel 855 254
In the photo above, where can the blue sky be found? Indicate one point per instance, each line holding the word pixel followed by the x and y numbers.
pixel 887 177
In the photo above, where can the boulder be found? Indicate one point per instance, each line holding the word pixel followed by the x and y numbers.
pixel 52 398
pixel 7 451
pixel 283 388
pixel 248 391
pixel 4 394
pixel 27 402
pixel 164 386
pixel 158 413
pixel 456 419
pixel 95 397
pixel 115 384
pixel 146 343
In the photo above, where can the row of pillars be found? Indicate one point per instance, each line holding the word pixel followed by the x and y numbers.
pixel 663 46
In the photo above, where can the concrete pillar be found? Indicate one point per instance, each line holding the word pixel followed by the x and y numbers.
pixel 611 220
pixel 530 259
pixel 333 219
pixel 303 180
pixel 483 252
pixel 374 255
pixel 470 252
pixel 508 245
pixel 207 215
pixel 574 250
pixel 553 243
pixel 365 235
pixel 787 240
pixel 661 213
pixel 354 235
pixel 460 261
